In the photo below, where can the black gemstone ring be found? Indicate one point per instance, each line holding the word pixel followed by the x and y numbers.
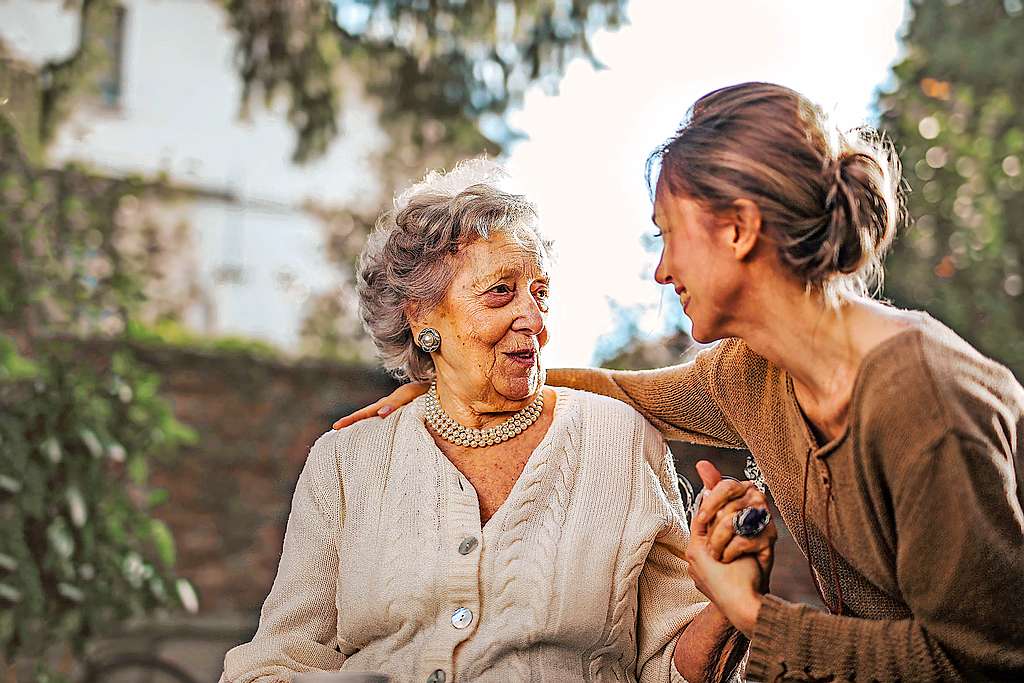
pixel 749 522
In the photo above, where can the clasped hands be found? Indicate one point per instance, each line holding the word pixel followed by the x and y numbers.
pixel 731 570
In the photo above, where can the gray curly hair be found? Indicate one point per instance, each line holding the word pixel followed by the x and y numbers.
pixel 410 258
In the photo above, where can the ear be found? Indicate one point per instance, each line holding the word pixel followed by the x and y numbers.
pixel 416 322
pixel 746 228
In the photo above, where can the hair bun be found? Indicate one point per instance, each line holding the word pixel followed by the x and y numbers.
pixel 861 205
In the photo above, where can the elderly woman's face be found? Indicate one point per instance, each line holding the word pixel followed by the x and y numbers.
pixel 492 322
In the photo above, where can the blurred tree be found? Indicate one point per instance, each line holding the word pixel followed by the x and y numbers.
pixel 444 65
pixel 447 61
pixel 80 548
pixel 957 116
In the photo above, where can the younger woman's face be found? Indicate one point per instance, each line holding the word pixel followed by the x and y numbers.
pixel 697 262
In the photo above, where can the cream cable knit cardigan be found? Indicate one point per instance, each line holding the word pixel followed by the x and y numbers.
pixel 579 575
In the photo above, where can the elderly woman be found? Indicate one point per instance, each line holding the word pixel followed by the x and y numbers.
pixel 495 529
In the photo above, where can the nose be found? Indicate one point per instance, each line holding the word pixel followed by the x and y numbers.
pixel 661 274
pixel 529 318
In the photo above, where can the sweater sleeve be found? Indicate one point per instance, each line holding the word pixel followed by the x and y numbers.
pixel 678 400
pixel 960 568
pixel 298 623
pixel 667 599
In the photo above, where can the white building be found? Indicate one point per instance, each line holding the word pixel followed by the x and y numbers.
pixel 171 109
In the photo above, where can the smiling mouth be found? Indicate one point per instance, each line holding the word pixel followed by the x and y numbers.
pixel 527 358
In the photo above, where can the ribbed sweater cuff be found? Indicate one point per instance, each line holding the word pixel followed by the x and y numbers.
pixel 772 636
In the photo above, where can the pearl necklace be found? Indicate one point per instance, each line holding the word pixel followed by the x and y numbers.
pixel 453 432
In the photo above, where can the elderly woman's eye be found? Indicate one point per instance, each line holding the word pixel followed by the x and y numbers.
pixel 501 289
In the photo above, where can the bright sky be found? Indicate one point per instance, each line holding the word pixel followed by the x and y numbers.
pixel 584 159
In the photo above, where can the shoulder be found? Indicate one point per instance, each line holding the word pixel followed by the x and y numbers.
pixel 602 414
pixel 743 376
pixel 608 423
pixel 927 383
pixel 349 447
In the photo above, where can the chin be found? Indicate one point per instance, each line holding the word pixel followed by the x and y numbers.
pixel 699 337
pixel 704 334
pixel 521 387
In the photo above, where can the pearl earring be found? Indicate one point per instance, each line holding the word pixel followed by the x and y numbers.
pixel 429 339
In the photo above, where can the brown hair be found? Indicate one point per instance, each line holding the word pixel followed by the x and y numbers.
pixel 829 200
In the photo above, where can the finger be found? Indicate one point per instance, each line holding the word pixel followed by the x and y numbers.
pixel 698 525
pixel 751 498
pixel 407 392
pixel 725 491
pixel 708 474
pixel 720 529
pixel 726 545
pixel 371 410
pixel 761 546
pixel 739 546
pixel 387 405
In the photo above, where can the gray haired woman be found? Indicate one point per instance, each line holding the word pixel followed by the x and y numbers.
pixel 494 529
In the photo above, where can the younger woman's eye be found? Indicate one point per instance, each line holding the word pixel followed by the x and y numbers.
pixel 659 233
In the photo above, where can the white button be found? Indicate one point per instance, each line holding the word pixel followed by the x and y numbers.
pixel 462 618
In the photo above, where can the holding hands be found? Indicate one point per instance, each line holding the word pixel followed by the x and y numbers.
pixel 730 568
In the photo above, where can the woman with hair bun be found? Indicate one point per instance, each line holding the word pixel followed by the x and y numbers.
pixel 892 447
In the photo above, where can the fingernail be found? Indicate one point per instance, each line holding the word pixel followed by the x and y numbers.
pixel 384 411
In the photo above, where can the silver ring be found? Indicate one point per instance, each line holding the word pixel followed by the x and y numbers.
pixel 751 521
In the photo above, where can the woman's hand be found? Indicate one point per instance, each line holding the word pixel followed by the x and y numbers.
pixel 382 408
pixel 735 588
pixel 720 501
pixel 732 571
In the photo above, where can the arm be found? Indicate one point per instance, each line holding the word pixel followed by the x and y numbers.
pixel 678 400
pixel 679 635
pixel 298 623
pixel 960 567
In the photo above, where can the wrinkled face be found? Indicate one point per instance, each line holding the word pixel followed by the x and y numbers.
pixel 492 323
pixel 696 262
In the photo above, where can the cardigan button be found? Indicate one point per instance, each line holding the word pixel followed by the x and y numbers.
pixel 467 545
pixel 462 618
pixel 436 677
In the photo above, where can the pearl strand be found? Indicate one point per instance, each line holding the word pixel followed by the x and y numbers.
pixel 455 433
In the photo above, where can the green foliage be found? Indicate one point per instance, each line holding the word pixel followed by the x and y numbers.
pixel 449 60
pixel 79 547
pixel 957 116
pixel 173 333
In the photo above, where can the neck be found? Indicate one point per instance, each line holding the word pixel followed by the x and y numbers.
pixel 478 407
pixel 820 346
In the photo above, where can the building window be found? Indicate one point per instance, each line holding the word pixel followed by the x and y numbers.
pixel 110 39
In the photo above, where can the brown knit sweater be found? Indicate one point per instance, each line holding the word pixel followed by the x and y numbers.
pixel 912 518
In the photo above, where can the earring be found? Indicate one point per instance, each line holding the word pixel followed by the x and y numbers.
pixel 429 339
